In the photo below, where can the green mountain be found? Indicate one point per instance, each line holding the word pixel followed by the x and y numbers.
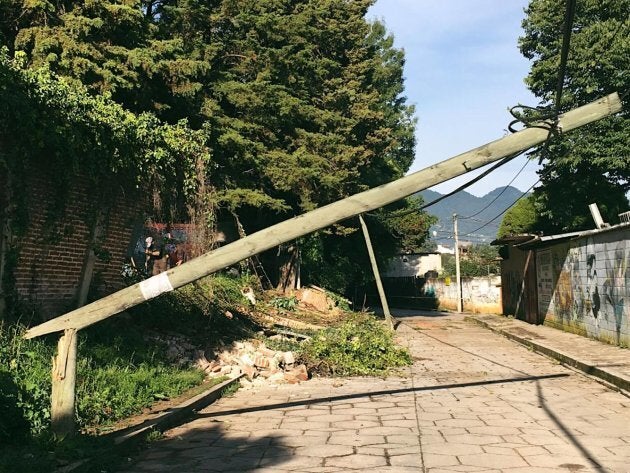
pixel 478 217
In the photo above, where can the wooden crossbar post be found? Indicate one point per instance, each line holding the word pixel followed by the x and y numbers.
pixel 64 374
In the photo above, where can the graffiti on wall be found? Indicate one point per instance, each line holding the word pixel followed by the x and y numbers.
pixel 616 286
pixel 592 285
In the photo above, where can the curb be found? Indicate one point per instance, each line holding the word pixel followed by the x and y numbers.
pixel 587 368
pixel 166 420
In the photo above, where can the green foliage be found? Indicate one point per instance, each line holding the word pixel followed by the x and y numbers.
pixel 480 260
pixel 26 384
pixel 590 164
pixel 49 124
pixel 338 258
pixel 340 302
pixel 562 202
pixel 283 344
pixel 300 103
pixel 154 436
pixel 119 372
pixel 226 291
pixel 284 303
pixel 409 224
pixel 521 218
pixel 360 346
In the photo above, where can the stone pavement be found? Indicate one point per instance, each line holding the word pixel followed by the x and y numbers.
pixel 472 401
pixel 608 362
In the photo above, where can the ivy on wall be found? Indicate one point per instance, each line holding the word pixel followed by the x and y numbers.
pixel 56 128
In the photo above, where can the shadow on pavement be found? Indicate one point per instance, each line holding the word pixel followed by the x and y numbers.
pixel 307 402
pixel 586 454
pixel 209 450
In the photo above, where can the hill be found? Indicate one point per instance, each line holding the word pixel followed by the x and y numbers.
pixel 473 212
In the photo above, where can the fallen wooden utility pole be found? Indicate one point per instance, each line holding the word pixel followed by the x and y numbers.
pixel 322 217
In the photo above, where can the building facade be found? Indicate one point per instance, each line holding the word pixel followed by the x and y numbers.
pixel 578 282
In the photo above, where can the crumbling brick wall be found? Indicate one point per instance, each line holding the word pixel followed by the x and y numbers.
pixel 53 252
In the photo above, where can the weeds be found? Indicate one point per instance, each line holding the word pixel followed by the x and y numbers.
pixel 119 372
pixel 284 303
pixel 283 344
pixel 154 436
pixel 230 390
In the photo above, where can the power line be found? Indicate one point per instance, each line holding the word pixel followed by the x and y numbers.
pixel 569 14
pixel 505 210
pixel 498 195
pixel 459 189
pixel 473 180
pixel 566 40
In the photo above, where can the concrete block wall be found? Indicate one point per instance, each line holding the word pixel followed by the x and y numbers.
pixel 591 286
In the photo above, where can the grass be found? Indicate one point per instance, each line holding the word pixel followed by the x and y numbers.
pixel 120 372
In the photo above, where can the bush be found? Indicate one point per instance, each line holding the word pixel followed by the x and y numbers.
pixel 25 384
pixel 360 346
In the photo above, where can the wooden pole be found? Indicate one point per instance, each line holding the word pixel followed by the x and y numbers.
pixel 377 276
pixel 64 374
pixel 458 276
pixel 89 260
pixel 321 218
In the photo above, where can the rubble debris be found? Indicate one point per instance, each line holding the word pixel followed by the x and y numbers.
pixel 259 363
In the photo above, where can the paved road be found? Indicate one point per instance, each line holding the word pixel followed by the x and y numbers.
pixel 472 401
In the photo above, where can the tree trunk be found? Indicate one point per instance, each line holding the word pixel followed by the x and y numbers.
pixel 288 267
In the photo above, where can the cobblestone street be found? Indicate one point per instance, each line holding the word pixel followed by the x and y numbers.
pixel 472 401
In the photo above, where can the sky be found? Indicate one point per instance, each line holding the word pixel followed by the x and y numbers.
pixel 463 71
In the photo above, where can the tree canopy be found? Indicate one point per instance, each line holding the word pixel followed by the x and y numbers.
pixel 520 218
pixel 258 108
pixel 591 164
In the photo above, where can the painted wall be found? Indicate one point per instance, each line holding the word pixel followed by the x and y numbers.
pixel 480 295
pixel 584 286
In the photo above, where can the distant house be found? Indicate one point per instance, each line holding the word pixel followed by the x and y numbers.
pixel 413 265
pixel 578 282
pixel 445 250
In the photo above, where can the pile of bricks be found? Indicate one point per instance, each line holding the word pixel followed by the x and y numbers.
pixel 260 364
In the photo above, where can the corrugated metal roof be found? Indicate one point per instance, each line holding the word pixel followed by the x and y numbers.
pixel 528 241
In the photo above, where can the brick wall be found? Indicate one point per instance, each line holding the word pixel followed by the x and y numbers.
pixel 49 270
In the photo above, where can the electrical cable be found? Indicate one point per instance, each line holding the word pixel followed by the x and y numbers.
pixel 547 117
pixel 460 188
pixel 506 209
pixel 498 195
pixel 569 15
pixel 540 119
